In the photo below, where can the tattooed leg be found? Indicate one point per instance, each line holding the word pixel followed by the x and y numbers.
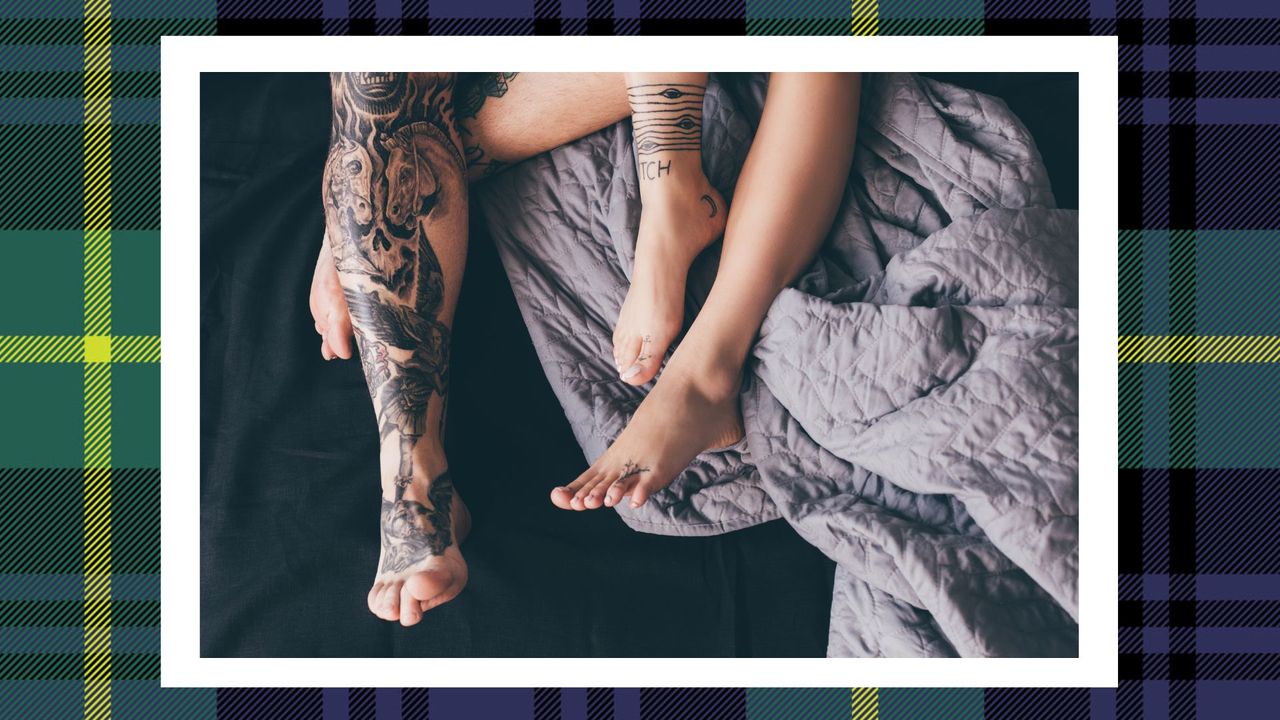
pixel 502 118
pixel 682 214
pixel 784 203
pixel 395 201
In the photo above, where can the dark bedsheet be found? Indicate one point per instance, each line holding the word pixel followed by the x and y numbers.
pixel 289 486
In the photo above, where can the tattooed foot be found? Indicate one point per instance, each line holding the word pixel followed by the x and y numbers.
pixel 678 221
pixel 420 566
pixel 691 409
pixel 329 308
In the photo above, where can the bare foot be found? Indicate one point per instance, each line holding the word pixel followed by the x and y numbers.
pixel 420 566
pixel 678 221
pixel 329 308
pixel 689 410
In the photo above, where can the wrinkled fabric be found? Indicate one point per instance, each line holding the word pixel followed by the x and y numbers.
pixel 911 404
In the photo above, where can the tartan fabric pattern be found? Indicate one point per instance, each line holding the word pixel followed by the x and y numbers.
pixel 1199 352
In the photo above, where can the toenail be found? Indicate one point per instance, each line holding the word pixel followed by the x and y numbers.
pixel 632 371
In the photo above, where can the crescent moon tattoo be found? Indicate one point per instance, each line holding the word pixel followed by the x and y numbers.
pixel 711 204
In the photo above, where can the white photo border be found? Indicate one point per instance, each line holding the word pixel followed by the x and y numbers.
pixel 184 58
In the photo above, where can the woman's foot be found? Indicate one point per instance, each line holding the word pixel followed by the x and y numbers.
pixel 680 218
pixel 693 408
pixel 420 566
pixel 329 308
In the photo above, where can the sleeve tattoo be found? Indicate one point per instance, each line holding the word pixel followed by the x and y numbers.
pixel 393 166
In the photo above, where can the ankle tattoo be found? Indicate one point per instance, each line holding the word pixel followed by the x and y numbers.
pixel 412 531
pixel 665 118
pixel 711 203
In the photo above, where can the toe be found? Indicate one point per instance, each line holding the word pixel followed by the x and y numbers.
pixel 646 487
pixel 580 498
pixel 410 607
pixel 626 347
pixel 595 498
pixel 436 586
pixel 326 352
pixel 645 367
pixel 391 601
pixel 563 497
pixel 619 489
pixel 445 595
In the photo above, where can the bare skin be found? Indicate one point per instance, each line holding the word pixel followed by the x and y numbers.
pixel 681 215
pixel 785 201
pixel 790 184
pixel 395 201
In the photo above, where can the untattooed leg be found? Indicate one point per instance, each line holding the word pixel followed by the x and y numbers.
pixel 784 203
pixel 395 200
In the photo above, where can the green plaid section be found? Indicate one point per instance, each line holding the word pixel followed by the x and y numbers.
pixel 79 350
pixel 79 474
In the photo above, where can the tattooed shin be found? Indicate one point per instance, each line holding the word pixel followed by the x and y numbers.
pixel 393 168
pixel 665 118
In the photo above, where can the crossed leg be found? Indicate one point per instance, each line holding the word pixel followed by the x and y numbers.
pixel 786 198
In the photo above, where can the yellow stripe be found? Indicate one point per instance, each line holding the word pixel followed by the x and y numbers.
pixel 79 348
pixel 135 349
pixel 866 703
pixel 1199 348
pixel 41 349
pixel 866 17
pixel 96 350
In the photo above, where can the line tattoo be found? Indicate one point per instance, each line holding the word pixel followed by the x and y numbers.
pixel 645 342
pixel 666 117
pixel 711 204
pixel 393 166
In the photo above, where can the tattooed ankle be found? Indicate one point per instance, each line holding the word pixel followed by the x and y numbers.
pixel 413 531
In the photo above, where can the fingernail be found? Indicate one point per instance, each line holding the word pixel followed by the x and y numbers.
pixel 632 371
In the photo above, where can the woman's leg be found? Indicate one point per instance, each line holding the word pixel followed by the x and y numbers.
pixel 395 200
pixel 784 204
pixel 682 215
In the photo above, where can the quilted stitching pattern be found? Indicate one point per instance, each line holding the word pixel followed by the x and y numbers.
pixel 911 406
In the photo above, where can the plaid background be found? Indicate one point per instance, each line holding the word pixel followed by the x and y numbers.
pixel 1199 352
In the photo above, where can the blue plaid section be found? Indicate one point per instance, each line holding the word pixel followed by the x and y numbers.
pixel 1199 108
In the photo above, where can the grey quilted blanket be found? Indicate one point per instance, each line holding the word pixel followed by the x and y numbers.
pixel 911 406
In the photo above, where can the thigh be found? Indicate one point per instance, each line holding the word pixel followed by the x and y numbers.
pixel 507 117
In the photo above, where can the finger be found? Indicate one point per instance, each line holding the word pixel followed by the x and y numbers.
pixel 339 335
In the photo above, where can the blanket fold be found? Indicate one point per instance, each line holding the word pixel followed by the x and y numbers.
pixel 911 404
